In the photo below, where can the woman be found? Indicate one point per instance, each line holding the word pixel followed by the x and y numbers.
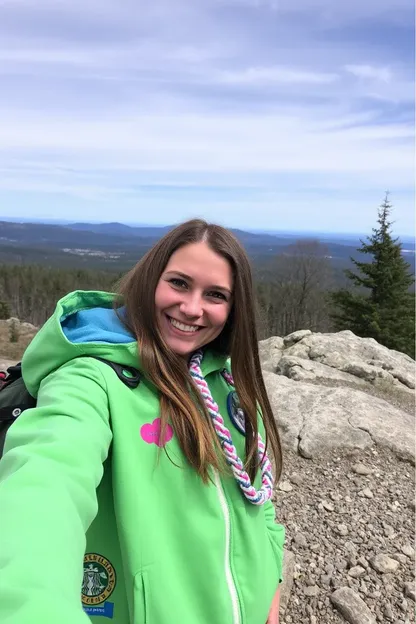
pixel 144 484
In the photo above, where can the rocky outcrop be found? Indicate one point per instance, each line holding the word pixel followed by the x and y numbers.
pixel 345 410
pixel 318 356
pixel 340 391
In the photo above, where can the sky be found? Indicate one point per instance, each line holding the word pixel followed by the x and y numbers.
pixel 291 115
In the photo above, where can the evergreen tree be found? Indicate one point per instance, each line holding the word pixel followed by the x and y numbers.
pixel 381 305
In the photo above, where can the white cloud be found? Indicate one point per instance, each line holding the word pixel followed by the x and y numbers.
pixel 193 91
pixel 218 143
pixel 272 75
pixel 384 74
pixel 330 11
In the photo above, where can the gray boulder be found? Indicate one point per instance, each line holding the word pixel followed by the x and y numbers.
pixel 340 391
pixel 360 359
pixel 270 352
pixel 313 419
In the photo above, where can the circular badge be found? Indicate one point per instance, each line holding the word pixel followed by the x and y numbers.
pixel 99 579
pixel 235 412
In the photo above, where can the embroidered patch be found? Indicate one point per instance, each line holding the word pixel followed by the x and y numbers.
pixel 98 584
pixel 150 433
pixel 235 412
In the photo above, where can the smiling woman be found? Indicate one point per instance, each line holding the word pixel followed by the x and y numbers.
pixel 191 291
pixel 188 478
pixel 193 298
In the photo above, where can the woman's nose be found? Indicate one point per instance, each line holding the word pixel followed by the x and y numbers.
pixel 192 306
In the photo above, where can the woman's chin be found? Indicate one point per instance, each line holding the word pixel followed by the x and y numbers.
pixel 181 348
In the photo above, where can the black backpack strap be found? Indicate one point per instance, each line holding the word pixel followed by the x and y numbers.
pixel 130 376
pixel 10 375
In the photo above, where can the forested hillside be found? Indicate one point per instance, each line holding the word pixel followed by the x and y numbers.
pixel 292 290
pixel 30 292
pixel 297 281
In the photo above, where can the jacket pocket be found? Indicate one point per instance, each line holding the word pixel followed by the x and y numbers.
pixel 142 611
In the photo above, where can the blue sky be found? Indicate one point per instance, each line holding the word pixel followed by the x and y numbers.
pixel 267 114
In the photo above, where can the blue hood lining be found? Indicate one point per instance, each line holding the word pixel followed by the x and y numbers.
pixel 98 325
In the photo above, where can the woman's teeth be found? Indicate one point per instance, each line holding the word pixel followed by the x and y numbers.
pixel 185 328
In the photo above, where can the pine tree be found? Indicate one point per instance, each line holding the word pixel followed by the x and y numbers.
pixel 381 306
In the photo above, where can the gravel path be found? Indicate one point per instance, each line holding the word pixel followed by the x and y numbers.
pixel 350 530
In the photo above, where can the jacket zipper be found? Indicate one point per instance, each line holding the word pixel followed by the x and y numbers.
pixel 228 574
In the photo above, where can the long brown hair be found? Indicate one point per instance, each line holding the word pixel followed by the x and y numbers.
pixel 238 339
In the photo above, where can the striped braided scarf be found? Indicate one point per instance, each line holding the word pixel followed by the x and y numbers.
pixel 256 497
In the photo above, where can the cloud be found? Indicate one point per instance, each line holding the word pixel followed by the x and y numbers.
pixel 281 75
pixel 370 72
pixel 194 101
pixel 218 143
pixel 327 11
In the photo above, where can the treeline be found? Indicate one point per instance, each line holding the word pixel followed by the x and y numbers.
pixel 297 289
pixel 292 290
pixel 30 292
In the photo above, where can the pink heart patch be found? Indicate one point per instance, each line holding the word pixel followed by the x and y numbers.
pixel 151 433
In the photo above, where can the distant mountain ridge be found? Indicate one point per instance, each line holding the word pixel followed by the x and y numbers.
pixel 118 246
pixel 157 231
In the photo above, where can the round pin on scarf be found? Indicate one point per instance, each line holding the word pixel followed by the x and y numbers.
pixel 235 412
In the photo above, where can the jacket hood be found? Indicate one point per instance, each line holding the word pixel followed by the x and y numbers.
pixel 85 324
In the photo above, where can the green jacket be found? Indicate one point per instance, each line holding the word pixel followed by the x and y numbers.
pixel 82 480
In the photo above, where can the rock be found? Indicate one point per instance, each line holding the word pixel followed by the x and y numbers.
pixel 296 479
pixel 284 486
pixel 408 550
pixel 361 469
pixel 290 339
pixel 389 531
pixel 342 529
pixel 311 591
pixel 286 585
pixel 384 564
pixel 356 571
pixel 341 565
pixel 285 400
pixel 409 590
pixel 314 419
pixel 270 353
pixel 340 356
pixel 367 493
pixel 388 613
pixel 345 351
pixel 404 605
pixel 29 327
pixel 345 411
pixel 300 540
pixel 300 368
pixel 13 321
pixel 351 606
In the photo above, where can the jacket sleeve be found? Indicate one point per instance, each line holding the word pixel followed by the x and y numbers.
pixel 276 535
pixel 52 465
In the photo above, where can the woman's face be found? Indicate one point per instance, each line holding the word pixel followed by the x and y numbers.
pixel 193 298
